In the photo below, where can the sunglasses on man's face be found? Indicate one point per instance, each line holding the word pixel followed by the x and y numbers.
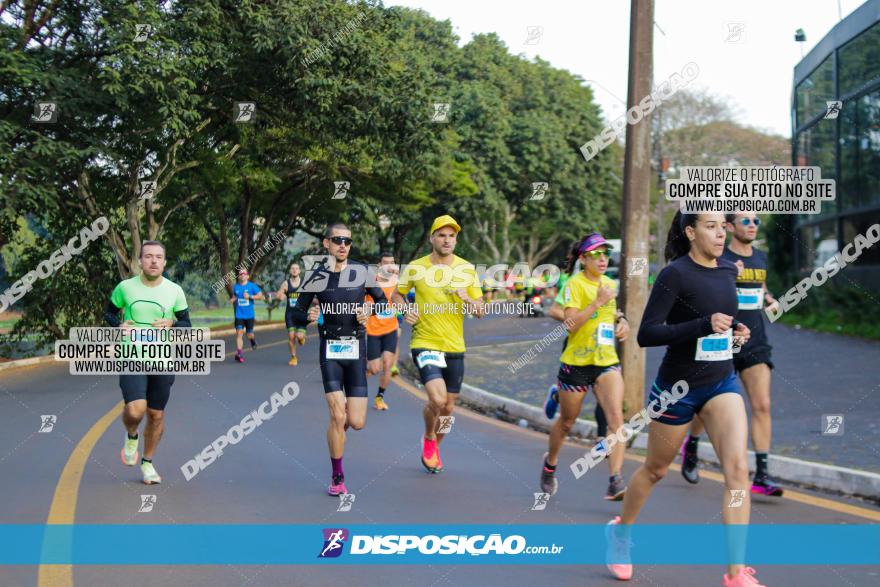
pixel 341 240
pixel 747 221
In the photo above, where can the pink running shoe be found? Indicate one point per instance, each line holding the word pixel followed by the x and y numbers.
pixel 617 557
pixel 336 488
pixel 431 456
pixel 744 578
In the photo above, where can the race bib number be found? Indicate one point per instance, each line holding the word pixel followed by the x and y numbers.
pixel 715 347
pixel 435 358
pixel 385 314
pixel 342 349
pixel 749 297
pixel 605 334
pixel 243 302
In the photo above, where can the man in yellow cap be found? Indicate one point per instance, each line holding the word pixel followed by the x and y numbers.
pixel 446 288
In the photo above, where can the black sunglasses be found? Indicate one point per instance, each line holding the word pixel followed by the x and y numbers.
pixel 341 240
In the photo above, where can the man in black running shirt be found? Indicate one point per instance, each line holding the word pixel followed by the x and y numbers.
pixel 340 290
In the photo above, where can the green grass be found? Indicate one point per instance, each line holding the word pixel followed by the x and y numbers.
pixel 830 322
pixel 260 312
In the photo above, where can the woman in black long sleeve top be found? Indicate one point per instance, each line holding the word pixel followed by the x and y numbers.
pixel 691 311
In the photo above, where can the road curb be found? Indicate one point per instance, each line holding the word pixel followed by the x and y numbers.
pixel 19 363
pixel 806 473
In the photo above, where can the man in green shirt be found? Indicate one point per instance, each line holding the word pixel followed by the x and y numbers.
pixel 147 300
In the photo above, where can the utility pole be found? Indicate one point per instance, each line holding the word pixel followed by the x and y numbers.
pixel 636 200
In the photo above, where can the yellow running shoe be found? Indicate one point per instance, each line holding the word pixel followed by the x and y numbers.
pixel 292 361
pixel 380 403
pixel 395 371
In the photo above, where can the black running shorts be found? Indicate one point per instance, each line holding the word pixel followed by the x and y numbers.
pixel 156 389
pixel 452 374
pixel 245 323
pixel 384 343
pixel 348 375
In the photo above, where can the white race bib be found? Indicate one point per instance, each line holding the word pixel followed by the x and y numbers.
pixel 342 349
pixel 715 347
pixel 243 302
pixel 386 314
pixel 605 334
pixel 749 297
pixel 431 358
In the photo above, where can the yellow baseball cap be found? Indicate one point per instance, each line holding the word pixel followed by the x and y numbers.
pixel 445 220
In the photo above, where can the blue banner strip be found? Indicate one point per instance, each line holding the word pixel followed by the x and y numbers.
pixel 203 544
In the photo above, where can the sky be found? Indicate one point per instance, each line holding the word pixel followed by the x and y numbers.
pixel 590 38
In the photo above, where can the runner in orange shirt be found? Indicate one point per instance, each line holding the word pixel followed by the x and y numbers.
pixel 382 331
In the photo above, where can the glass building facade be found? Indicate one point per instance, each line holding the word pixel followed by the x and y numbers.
pixel 844 66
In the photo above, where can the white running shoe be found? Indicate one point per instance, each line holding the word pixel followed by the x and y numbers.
pixel 129 452
pixel 150 475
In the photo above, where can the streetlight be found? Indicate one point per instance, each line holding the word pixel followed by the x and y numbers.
pixel 801 37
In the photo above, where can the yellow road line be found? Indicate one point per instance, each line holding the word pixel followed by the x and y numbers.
pixel 63 509
pixel 819 502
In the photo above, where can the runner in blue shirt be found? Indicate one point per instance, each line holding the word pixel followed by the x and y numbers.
pixel 244 293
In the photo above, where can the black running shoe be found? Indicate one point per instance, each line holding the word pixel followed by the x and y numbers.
pixel 616 488
pixel 549 484
pixel 763 485
pixel 690 466
pixel 253 344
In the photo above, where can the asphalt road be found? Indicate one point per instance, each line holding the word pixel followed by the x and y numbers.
pixel 278 475
pixel 814 374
